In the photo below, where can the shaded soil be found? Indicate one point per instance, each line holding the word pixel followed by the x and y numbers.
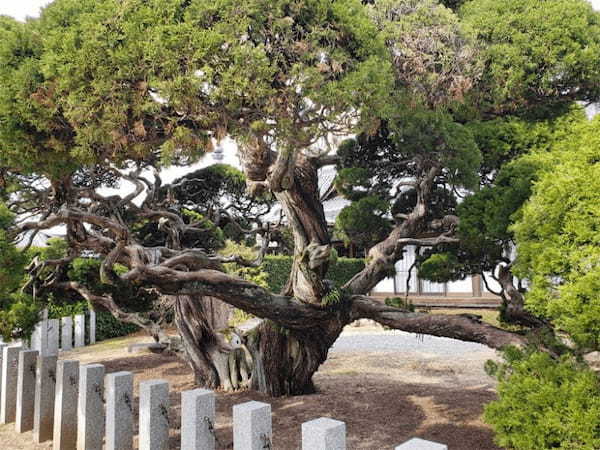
pixel 384 398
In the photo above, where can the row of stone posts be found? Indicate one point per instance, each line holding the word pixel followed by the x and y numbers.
pixel 48 332
pixel 82 408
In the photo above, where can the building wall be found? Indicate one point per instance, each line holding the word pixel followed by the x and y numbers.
pixel 467 292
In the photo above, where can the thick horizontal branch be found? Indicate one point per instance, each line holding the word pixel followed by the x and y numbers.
pixel 428 242
pixel 451 326
pixel 242 294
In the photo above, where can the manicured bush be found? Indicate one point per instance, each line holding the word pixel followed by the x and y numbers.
pixel 544 403
pixel 278 268
pixel 107 327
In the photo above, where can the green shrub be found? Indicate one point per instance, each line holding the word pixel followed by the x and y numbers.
pixel 544 403
pixel 107 327
pixel 18 320
pixel 278 268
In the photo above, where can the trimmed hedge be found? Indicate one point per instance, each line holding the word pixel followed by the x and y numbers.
pixel 278 268
pixel 107 327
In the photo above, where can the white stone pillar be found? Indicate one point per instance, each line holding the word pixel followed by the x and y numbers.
pixel 324 434
pixel 10 365
pixel 198 420
pixel 79 330
pixel 421 444
pixel 65 405
pixel 119 411
pixel 26 390
pixel 45 387
pixel 252 426
pixel 154 415
pixel 53 335
pixel 90 408
pixel 66 336
pixel 92 327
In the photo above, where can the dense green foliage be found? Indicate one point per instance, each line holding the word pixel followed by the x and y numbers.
pixel 539 55
pixel 12 261
pixel 558 237
pixel 363 222
pixel 544 403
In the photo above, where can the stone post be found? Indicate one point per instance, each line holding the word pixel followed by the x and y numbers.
pixel 39 340
pixel 66 337
pixel 10 364
pixel 65 406
pixel 79 330
pixel 324 434
pixel 198 420
pixel 26 390
pixel 421 444
pixel 154 415
pixel 2 347
pixel 45 385
pixel 52 340
pixel 119 411
pixel 252 426
pixel 92 327
pixel 90 408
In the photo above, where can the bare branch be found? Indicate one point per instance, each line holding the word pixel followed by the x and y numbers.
pixel 452 326
pixel 242 294
pixel 428 242
pixel 107 302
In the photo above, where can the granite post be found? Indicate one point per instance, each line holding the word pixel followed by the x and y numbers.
pixel 45 387
pixel 197 420
pixel 79 330
pixel 65 405
pixel 90 408
pixel 26 390
pixel 421 444
pixel 2 347
pixel 252 426
pixel 10 365
pixel 39 340
pixel 119 411
pixel 66 336
pixel 154 415
pixel 324 434
pixel 92 327
pixel 52 339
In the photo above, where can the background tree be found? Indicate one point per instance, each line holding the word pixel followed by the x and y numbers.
pixel 98 92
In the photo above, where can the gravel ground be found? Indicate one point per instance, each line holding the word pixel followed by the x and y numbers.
pixel 393 341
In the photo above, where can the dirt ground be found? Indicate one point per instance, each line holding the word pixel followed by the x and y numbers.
pixel 384 398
